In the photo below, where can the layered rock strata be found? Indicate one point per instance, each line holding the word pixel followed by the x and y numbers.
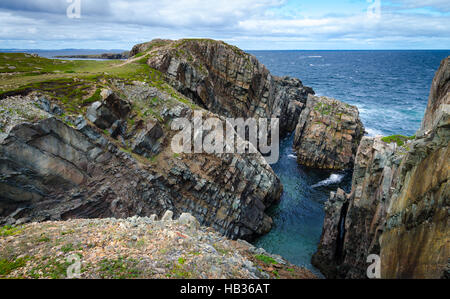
pixel 328 134
pixel 399 204
pixel 54 168
pixel 227 81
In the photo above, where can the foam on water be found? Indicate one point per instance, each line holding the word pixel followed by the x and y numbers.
pixel 333 179
pixel 390 88
pixel 374 132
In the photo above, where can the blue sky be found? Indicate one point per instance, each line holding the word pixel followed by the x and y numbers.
pixel 249 24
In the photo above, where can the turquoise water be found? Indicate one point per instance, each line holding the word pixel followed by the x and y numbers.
pixel 390 88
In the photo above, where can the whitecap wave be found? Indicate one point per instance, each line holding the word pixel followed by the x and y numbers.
pixel 292 156
pixel 373 132
pixel 315 56
pixel 333 179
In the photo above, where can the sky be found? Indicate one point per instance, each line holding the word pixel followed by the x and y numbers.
pixel 248 24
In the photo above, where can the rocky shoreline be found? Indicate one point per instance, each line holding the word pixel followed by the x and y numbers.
pixel 106 56
pixel 399 204
pixel 103 151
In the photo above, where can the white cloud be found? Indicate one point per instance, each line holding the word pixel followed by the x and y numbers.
pixel 246 23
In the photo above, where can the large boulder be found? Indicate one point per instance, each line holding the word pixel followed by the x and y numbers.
pixel 328 134
pixel 106 112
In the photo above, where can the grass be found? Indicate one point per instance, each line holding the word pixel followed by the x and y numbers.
pixel 94 98
pixel 7 266
pixel 322 108
pixel 9 230
pixel 32 70
pixel 67 248
pixel 266 259
pixel 399 139
pixel 178 270
pixel 120 268
pixel 50 268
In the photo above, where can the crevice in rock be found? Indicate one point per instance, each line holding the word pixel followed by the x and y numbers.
pixel 339 254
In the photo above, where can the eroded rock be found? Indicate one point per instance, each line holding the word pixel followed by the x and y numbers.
pixel 399 204
pixel 328 134
pixel 227 81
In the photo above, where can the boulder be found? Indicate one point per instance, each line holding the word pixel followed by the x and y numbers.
pixel 328 134
pixel 105 113
pixel 146 142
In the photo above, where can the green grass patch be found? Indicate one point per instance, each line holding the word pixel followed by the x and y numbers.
pixel 266 259
pixel 94 98
pixel 67 248
pixel 50 268
pixel 120 268
pixel 322 108
pixel 9 230
pixel 399 139
pixel 7 266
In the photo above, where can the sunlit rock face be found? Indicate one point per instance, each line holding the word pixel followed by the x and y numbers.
pixel 328 134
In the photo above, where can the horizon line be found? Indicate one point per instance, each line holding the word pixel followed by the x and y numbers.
pixel 91 49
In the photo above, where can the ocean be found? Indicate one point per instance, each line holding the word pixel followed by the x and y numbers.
pixel 390 89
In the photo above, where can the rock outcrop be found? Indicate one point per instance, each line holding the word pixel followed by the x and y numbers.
pixel 399 204
pixel 328 134
pixel 134 248
pixel 227 81
pixel 58 168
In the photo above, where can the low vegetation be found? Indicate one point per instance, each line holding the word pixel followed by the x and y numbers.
pixel 400 140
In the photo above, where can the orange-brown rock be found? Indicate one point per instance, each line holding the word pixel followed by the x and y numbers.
pixel 328 134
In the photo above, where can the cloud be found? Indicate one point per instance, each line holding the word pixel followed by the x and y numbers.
pixel 58 7
pixel 251 24
pixel 438 5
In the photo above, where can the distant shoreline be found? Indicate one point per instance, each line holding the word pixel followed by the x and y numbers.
pixel 123 55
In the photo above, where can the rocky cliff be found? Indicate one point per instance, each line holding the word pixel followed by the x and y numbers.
pixel 225 80
pixel 328 134
pixel 115 160
pixel 399 204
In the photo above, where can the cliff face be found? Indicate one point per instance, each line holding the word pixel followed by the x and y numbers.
pixel 227 81
pixel 328 134
pixel 116 161
pixel 399 204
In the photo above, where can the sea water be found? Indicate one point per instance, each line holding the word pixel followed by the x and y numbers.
pixel 390 89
